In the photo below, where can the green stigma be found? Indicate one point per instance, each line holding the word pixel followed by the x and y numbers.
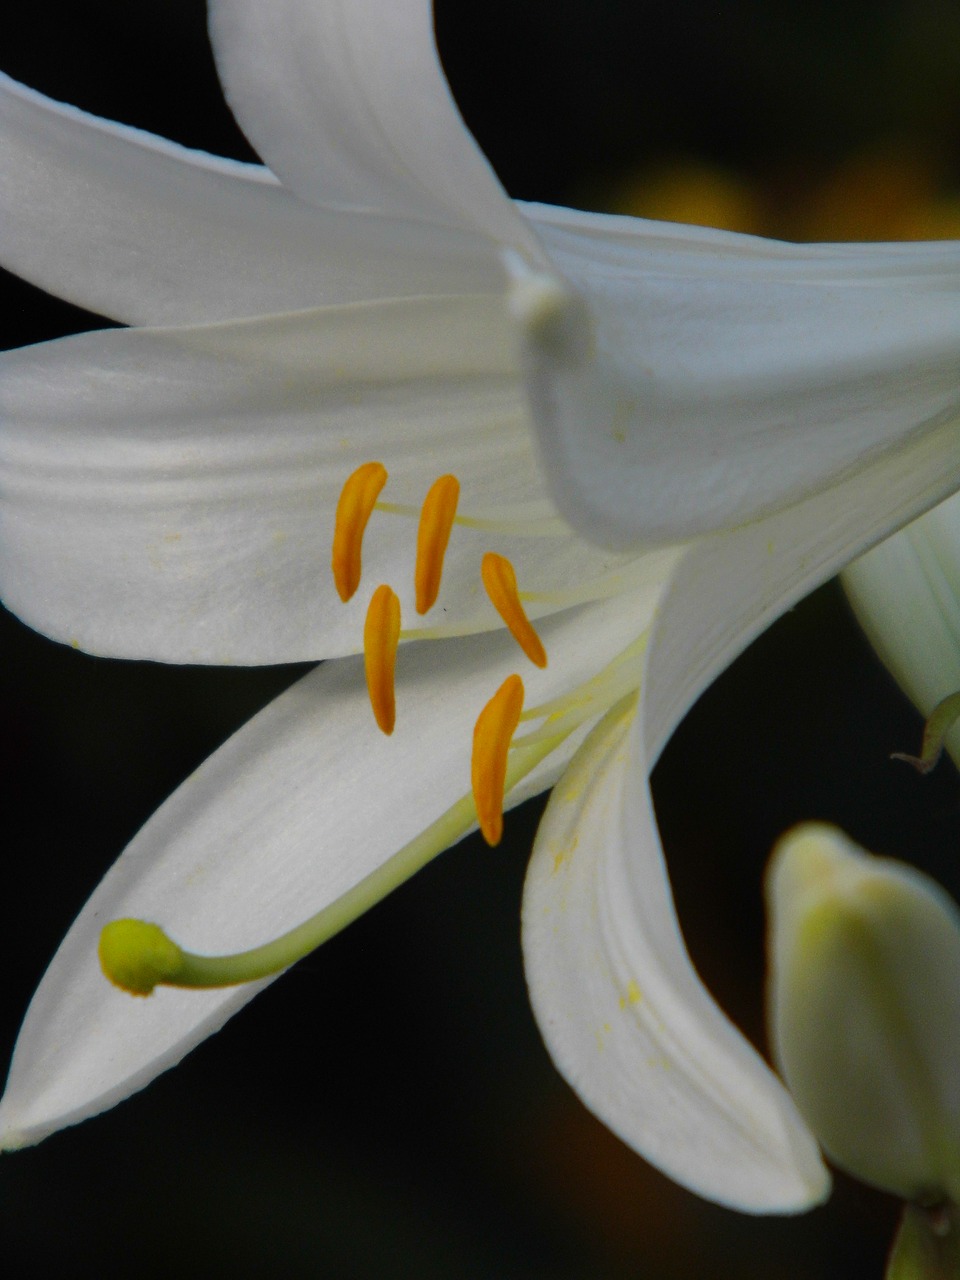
pixel 136 956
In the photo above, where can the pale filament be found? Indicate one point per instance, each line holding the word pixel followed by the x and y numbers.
pixel 508 522
pixel 621 676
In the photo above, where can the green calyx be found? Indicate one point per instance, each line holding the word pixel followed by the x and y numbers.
pixel 927 1246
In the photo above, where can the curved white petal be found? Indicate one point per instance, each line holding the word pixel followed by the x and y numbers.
pixel 729 376
pixel 346 101
pixel 728 588
pixel 137 228
pixel 724 590
pixel 294 810
pixel 170 494
pixel 623 1012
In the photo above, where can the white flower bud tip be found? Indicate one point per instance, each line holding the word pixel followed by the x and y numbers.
pixel 864 1009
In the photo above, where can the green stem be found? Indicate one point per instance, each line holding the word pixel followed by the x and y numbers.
pixel 927 1245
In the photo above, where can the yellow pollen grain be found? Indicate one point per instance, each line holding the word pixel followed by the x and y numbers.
pixel 500 582
pixel 433 533
pixel 381 635
pixel 495 726
pixel 356 502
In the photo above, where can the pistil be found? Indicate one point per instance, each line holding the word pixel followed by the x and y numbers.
pixel 138 956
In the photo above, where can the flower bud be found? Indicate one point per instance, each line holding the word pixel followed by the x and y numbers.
pixel 906 595
pixel 864 1010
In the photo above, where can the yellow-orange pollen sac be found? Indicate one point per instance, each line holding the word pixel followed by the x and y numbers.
pixel 357 500
pixel 433 534
pixel 498 720
pixel 500 582
pixel 381 635
pixel 492 735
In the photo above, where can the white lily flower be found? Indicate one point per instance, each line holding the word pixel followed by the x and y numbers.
pixel 736 418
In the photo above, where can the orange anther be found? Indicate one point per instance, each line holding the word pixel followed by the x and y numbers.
pixel 495 726
pixel 501 584
pixel 381 635
pixel 357 499
pixel 433 534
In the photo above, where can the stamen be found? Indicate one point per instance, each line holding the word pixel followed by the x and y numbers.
pixel 381 635
pixel 495 727
pixel 501 584
pixel 357 499
pixel 942 719
pixel 436 520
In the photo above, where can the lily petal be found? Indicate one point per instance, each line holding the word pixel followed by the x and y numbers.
pixel 622 1010
pixel 144 231
pixel 278 823
pixel 729 588
pixel 730 376
pixel 598 909
pixel 170 493
pixel 346 101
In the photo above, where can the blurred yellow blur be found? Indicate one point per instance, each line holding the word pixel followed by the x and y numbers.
pixel 893 191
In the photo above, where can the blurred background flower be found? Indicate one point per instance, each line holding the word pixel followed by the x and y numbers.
pixel 388 1109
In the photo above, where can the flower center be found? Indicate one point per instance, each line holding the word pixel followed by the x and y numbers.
pixel 137 955
pixel 498 720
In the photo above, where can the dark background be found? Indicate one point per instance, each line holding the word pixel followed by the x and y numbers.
pixel 388 1110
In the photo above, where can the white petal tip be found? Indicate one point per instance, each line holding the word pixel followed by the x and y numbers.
pixel 554 320
pixel 15 1140
pixel 816 1185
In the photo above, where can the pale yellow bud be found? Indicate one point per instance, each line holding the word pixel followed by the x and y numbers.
pixel 864 1010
